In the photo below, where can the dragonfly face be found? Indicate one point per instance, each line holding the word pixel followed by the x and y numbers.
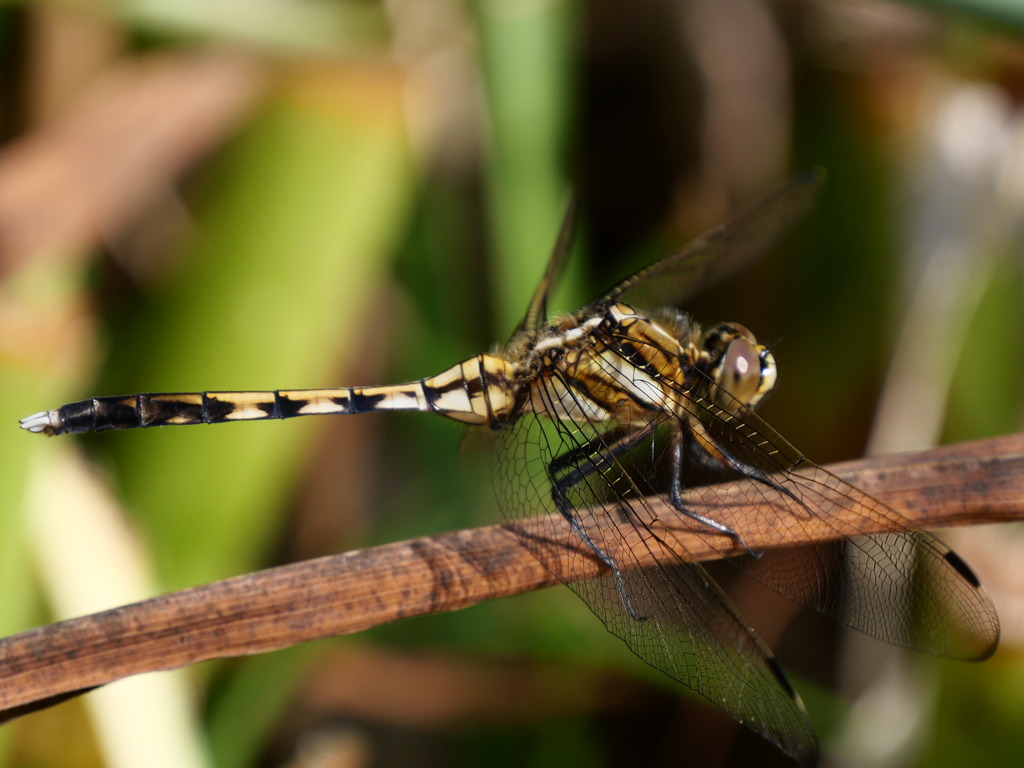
pixel 601 411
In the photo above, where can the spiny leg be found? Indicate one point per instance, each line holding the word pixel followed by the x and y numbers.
pixel 675 491
pixel 583 461
pixel 714 454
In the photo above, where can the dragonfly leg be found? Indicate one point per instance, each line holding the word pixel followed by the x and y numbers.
pixel 583 461
pixel 601 555
pixel 676 498
pixel 715 454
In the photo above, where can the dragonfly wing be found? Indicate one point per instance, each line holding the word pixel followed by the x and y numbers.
pixel 677 620
pixel 723 251
pixel 537 311
pixel 902 586
pixel 691 632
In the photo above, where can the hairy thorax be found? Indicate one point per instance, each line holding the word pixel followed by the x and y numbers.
pixel 608 363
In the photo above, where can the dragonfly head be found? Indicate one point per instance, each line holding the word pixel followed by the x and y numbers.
pixel 741 366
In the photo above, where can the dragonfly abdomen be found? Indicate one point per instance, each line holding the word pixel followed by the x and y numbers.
pixel 475 391
pixel 99 414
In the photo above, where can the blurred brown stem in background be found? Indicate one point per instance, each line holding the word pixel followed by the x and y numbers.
pixel 121 145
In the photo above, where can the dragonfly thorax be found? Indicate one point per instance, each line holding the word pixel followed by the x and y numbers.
pixel 614 363
pixel 671 345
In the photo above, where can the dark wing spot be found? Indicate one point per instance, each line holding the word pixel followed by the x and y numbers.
pixel 776 670
pixel 963 569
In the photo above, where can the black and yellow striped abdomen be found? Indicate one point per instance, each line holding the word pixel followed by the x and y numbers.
pixel 475 391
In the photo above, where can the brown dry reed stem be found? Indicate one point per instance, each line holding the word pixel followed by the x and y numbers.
pixel 969 483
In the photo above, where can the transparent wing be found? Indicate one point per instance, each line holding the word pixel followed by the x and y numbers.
pixel 537 311
pixel 672 615
pixel 722 251
pixel 565 481
pixel 903 587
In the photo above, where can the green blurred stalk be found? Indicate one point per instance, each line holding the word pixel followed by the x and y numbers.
pixel 527 52
pixel 1009 12
pixel 298 224
pixel 295 238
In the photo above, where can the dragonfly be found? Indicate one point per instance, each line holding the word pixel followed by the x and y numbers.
pixel 603 412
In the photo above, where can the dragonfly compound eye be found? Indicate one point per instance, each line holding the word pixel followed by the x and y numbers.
pixel 746 370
